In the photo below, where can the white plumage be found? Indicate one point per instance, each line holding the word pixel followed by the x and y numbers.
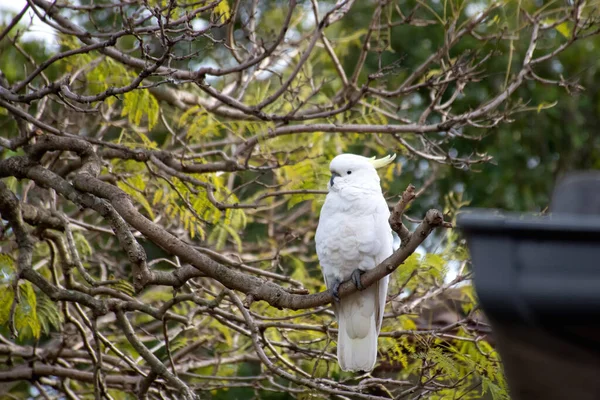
pixel 354 233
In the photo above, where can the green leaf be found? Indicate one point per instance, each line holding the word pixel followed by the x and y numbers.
pixel 497 392
pixel 226 332
pixel 299 270
pixel 305 175
pixel 136 195
pixel 6 300
pixel 11 183
pixel 124 286
pixel 7 275
pixel 140 103
pixel 218 237
pixel 222 10
pixel 435 263
pixel 200 124
pixel 178 343
pixel 408 266
pixel 26 320
pixel 107 73
pixel 48 314
pixel 82 245
pixel 430 74
pixel 235 236
pixel 7 269
pixel 158 196
pixel 564 30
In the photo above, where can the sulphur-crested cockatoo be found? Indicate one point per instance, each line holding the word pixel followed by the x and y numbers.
pixel 354 236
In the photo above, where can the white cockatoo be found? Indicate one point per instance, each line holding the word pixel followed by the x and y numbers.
pixel 354 236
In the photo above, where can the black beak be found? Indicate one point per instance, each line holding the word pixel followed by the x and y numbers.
pixel 333 175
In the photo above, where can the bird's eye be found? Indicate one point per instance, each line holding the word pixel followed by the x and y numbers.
pixel 348 172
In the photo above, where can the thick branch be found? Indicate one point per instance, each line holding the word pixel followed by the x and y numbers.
pixel 259 289
pixel 28 373
pixel 398 211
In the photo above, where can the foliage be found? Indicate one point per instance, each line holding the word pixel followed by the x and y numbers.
pixel 169 158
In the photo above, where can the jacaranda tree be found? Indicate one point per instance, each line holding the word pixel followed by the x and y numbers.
pixel 164 162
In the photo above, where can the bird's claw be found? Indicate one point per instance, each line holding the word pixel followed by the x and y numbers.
pixel 335 290
pixel 356 274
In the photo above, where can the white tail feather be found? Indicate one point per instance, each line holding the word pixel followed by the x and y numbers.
pixel 357 354
pixel 359 319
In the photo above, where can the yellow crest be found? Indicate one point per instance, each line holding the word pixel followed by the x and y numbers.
pixel 382 162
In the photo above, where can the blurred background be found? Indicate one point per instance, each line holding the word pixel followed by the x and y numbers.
pixel 436 343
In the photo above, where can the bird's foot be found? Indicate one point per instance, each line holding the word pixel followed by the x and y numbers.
pixel 335 290
pixel 356 274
